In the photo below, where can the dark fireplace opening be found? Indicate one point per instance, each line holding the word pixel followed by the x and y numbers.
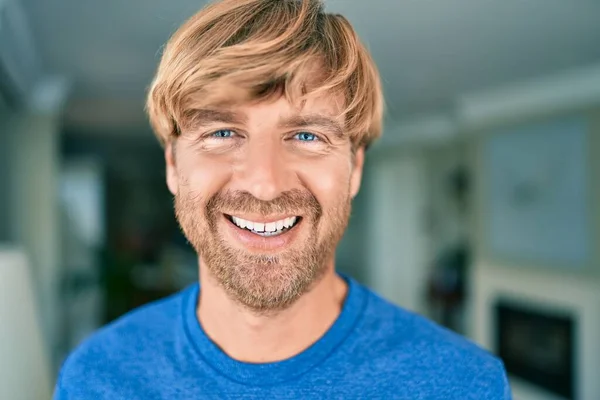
pixel 537 346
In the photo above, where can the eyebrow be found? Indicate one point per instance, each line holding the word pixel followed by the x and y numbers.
pixel 205 116
pixel 314 120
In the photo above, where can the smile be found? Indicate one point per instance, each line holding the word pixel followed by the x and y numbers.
pixel 265 229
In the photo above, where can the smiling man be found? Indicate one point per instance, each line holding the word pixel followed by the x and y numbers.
pixel 265 109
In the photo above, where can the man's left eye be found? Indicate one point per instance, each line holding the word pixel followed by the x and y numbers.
pixel 223 133
pixel 306 137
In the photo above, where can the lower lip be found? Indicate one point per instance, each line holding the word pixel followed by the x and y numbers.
pixel 262 243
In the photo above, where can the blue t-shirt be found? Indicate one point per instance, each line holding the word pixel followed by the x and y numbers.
pixel 374 350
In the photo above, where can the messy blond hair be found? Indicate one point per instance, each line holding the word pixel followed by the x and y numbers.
pixel 237 51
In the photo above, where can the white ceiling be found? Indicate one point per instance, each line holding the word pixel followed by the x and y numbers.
pixel 429 51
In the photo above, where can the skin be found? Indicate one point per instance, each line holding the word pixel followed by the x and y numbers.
pixel 266 299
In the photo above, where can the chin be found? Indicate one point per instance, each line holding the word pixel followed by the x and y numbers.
pixel 267 282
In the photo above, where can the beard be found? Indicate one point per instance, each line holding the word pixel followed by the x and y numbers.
pixel 263 282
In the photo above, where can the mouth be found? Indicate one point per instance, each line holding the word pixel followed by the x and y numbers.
pixel 265 229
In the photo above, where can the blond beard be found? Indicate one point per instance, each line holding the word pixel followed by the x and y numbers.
pixel 262 283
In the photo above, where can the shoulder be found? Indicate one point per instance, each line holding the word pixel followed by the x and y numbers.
pixel 408 343
pixel 129 343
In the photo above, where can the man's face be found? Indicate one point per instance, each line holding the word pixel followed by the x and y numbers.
pixel 263 193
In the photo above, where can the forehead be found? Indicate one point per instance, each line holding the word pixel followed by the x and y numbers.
pixel 326 106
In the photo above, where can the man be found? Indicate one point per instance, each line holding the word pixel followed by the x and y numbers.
pixel 265 109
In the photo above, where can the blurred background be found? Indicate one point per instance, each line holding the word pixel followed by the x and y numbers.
pixel 480 207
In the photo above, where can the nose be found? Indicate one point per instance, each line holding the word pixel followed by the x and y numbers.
pixel 263 170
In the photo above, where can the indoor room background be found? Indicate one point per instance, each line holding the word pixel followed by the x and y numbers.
pixel 480 206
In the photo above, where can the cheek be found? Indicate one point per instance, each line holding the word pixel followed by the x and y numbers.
pixel 328 180
pixel 203 176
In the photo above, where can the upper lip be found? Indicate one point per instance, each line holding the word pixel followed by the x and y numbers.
pixel 262 218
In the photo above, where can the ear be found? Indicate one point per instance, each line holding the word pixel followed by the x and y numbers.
pixel 357 170
pixel 171 170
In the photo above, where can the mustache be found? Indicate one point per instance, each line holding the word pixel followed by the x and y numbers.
pixel 293 202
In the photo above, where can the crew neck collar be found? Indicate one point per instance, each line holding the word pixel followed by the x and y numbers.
pixel 274 372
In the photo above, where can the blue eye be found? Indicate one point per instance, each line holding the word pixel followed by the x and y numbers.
pixel 223 133
pixel 306 137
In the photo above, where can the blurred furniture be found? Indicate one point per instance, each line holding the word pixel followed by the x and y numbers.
pixel 447 286
pixel 24 364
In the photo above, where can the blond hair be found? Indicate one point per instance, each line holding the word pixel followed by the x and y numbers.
pixel 236 51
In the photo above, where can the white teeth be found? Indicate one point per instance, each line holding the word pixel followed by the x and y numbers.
pixel 265 229
pixel 239 222
pixel 289 222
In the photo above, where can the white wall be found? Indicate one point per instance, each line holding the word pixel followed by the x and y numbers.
pixel 34 208
pixel 24 365
pixel 576 292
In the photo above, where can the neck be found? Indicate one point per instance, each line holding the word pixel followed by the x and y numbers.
pixel 249 337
